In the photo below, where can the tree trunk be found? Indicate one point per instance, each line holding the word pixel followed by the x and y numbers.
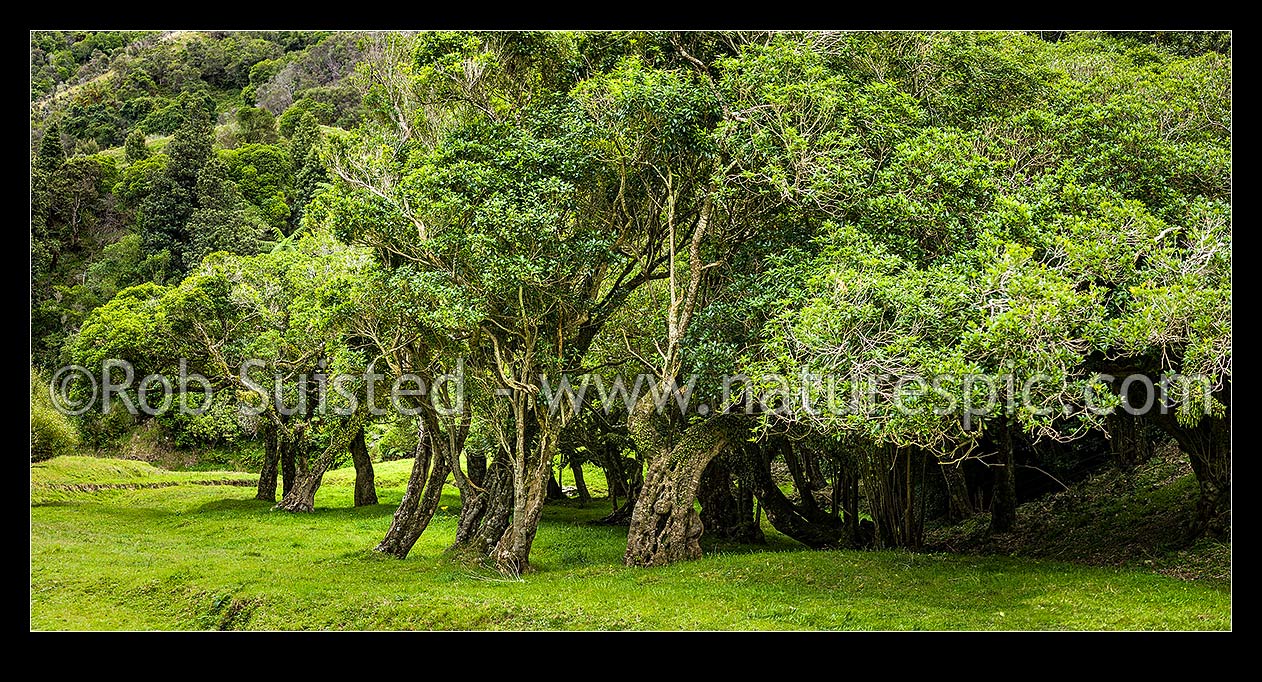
pixel 267 475
pixel 1003 501
pixel 288 462
pixel 1128 444
pixel 532 471
pixel 727 509
pixel 614 484
pixel 624 476
pixel 475 462
pixel 580 485
pixel 554 488
pixel 301 497
pixel 889 486
pixel 474 503
pixel 420 499
pixel 811 527
pixel 365 487
pixel 959 506
pixel 806 492
pixel 621 515
pixel 1208 447
pixel 499 507
pixel 665 526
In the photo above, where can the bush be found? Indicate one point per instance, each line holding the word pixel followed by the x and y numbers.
pixel 216 427
pixel 52 434
pixel 398 442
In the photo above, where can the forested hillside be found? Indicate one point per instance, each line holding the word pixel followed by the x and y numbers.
pixel 115 206
pixel 1008 254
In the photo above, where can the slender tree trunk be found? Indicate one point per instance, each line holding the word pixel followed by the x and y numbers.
pixel 554 488
pixel 613 483
pixel 580 485
pixel 301 497
pixel 532 470
pixel 1128 444
pixel 631 486
pixel 1003 504
pixel 267 475
pixel 288 462
pixel 365 486
pixel 959 506
pixel 796 470
pixel 809 526
pixel 420 499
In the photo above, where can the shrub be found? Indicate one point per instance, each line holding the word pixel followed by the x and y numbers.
pixel 52 434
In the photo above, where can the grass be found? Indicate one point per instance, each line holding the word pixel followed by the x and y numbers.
pixel 191 556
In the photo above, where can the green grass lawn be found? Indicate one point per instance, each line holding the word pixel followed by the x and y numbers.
pixel 190 555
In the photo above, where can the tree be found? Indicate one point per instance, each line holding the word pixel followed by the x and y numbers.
pixel 51 152
pixel 135 148
pixel 163 216
pixel 258 126
pixel 309 168
pixel 222 221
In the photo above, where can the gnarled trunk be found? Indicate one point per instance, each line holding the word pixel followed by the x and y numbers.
pixel 959 505
pixel 420 499
pixel 498 502
pixel 288 447
pixel 532 471
pixel 1128 444
pixel 1208 447
pixel 807 525
pixel 580 485
pixel 301 497
pixel 473 500
pixel 665 526
pixel 554 488
pixel 365 486
pixel 624 482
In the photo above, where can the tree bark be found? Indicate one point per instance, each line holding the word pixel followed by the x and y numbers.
pixel 532 470
pixel 301 497
pixel 268 474
pixel 1003 501
pixel 727 509
pixel 665 526
pixel 809 526
pixel 1128 444
pixel 365 486
pixel 475 462
pixel 554 488
pixel 420 499
pixel 1208 447
pixel 959 505
pixel 621 515
pixel 288 461
pixel 488 483
pixel 584 496
pixel 498 511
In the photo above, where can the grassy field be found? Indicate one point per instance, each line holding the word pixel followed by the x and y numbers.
pixel 123 545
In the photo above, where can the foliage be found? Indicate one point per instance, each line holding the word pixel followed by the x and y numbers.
pixel 52 434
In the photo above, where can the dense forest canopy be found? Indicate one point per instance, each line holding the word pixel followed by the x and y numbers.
pixel 819 214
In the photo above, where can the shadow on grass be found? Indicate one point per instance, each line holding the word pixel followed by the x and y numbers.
pixel 239 505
